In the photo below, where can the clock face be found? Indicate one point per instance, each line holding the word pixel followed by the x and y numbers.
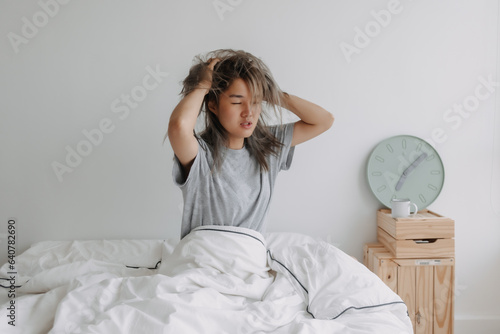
pixel 405 167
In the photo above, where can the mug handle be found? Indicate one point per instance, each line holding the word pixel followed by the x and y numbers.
pixel 416 209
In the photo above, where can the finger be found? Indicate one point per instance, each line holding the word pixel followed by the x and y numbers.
pixel 212 62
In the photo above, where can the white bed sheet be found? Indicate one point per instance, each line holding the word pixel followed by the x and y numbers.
pixel 216 280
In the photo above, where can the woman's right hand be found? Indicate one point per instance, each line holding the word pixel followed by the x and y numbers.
pixel 206 74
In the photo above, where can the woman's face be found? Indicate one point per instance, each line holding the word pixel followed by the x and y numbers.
pixel 238 112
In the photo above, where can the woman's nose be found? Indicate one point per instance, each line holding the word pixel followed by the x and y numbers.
pixel 247 110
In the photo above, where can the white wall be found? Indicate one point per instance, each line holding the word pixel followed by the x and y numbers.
pixel 73 71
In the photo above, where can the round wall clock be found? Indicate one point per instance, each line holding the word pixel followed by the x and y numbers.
pixel 405 167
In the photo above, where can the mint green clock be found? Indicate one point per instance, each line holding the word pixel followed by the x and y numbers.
pixel 405 167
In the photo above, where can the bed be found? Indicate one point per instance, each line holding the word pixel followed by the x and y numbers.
pixel 215 280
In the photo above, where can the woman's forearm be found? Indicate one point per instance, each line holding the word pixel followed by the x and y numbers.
pixel 308 112
pixel 187 110
pixel 185 114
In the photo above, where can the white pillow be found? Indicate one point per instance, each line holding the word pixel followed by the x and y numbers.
pixel 50 254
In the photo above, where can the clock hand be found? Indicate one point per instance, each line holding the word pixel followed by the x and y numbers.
pixel 408 170
pixel 415 163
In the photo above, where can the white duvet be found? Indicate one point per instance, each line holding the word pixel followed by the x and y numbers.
pixel 216 280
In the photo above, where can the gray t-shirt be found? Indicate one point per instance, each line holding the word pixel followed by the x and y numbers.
pixel 236 195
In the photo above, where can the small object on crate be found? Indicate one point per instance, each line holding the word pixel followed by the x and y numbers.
pixel 427 234
pixel 401 208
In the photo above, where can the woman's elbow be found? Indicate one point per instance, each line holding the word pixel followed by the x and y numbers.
pixel 329 120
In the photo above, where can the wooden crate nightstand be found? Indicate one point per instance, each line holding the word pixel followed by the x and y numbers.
pixel 423 276
pixel 428 234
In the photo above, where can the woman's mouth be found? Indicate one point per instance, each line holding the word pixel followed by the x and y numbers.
pixel 246 125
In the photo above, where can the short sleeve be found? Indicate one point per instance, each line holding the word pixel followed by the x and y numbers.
pixel 178 172
pixel 199 166
pixel 284 133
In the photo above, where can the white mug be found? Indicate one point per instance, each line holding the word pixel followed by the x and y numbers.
pixel 400 208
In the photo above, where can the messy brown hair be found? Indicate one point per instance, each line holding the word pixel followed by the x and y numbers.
pixel 233 65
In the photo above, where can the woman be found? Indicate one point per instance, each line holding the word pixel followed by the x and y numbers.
pixel 227 172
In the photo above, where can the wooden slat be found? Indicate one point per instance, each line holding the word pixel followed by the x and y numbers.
pixel 425 262
pixel 424 320
pixel 372 260
pixel 366 249
pixel 406 289
pixel 388 272
pixel 443 299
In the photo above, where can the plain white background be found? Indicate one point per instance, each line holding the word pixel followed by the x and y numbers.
pixel 70 68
